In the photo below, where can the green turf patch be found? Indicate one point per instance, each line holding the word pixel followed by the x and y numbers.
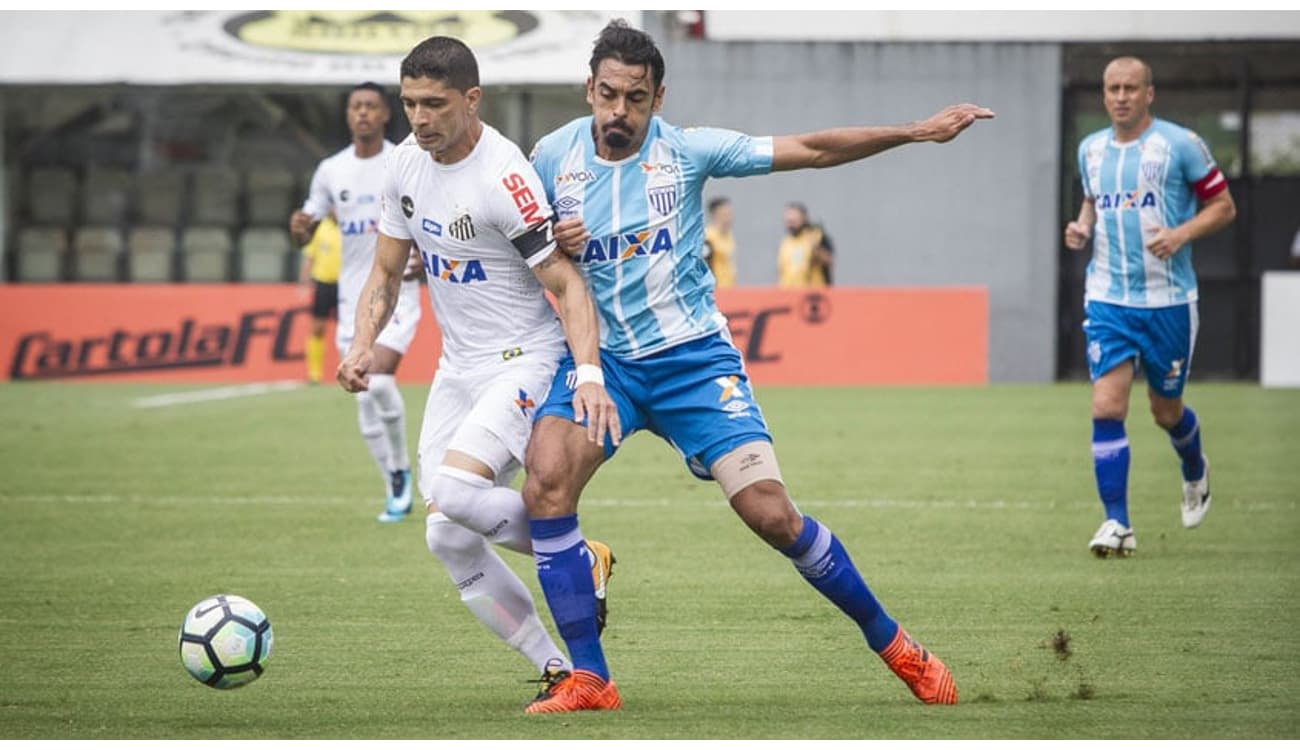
pixel 968 511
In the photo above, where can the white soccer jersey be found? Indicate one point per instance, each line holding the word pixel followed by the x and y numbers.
pixel 352 187
pixel 481 225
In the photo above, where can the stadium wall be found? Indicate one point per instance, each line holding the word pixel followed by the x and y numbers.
pixel 981 210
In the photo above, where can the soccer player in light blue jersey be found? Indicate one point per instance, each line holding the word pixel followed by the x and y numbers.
pixel 1151 188
pixel 628 188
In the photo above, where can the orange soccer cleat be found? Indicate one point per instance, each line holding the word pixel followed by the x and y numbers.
pixel 924 674
pixel 580 691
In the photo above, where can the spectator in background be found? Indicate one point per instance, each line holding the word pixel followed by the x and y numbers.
pixel 1151 189
pixel 720 243
pixel 805 257
pixel 319 282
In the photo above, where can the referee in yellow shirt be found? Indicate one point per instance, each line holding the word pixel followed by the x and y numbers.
pixel 320 269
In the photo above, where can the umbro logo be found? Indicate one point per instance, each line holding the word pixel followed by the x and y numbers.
pixel 462 585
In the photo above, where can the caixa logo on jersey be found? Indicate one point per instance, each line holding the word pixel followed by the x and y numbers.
pixel 452 271
pixel 359 226
pixel 191 344
pixel 628 245
pixel 1130 199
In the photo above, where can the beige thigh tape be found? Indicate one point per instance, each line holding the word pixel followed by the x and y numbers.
pixel 751 462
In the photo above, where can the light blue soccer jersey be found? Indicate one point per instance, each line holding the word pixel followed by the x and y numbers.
pixel 652 288
pixel 1154 181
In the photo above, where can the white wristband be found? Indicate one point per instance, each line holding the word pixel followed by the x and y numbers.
pixel 589 374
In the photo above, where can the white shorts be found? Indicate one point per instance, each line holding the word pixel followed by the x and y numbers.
pixel 399 332
pixel 487 414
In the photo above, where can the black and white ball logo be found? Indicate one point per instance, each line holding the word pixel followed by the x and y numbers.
pixel 408 206
pixel 343 196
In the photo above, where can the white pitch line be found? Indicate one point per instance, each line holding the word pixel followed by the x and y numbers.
pixel 1250 506
pixel 215 394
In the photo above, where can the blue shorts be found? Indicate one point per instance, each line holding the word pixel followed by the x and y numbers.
pixel 1160 339
pixel 695 395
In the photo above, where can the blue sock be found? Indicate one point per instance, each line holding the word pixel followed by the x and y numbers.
pixel 822 561
pixel 564 570
pixel 1186 438
pixel 1110 462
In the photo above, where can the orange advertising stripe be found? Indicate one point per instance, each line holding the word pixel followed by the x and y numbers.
pixel 215 333
pixel 861 336
pixel 255 332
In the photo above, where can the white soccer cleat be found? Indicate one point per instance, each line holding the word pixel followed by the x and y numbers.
pixel 1196 498
pixel 1113 539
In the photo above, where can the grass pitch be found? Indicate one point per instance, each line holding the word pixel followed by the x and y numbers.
pixel 968 511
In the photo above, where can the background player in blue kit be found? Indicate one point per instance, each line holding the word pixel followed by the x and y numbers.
pixel 628 189
pixel 1142 179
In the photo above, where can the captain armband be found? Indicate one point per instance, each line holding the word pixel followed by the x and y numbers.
pixel 539 237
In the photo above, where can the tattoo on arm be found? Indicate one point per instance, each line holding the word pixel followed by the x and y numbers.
pixel 382 299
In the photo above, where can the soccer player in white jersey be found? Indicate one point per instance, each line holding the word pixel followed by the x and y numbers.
pixel 473 205
pixel 631 185
pixel 348 184
pixel 1143 179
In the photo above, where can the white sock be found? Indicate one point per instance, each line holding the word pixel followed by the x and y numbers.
pixel 498 513
pixel 372 431
pixel 392 412
pixel 491 590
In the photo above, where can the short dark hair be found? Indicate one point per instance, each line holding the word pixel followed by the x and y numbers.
pixel 717 203
pixel 629 46
pixel 370 86
pixel 801 208
pixel 442 58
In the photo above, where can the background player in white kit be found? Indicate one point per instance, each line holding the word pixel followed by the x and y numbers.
pixel 484 232
pixel 349 184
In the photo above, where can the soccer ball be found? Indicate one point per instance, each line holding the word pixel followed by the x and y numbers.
pixel 225 641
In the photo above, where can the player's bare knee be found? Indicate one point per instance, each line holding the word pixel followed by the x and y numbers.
pixel 544 495
pixel 1165 412
pixel 1108 407
pixel 556 470
pixel 767 511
